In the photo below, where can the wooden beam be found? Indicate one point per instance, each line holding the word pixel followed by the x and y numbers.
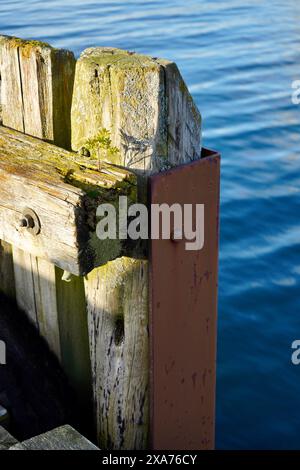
pixel 6 439
pixel 62 438
pixel 64 191
pixel 36 93
pixel 144 107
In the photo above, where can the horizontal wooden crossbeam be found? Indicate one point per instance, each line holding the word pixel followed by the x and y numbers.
pixel 64 190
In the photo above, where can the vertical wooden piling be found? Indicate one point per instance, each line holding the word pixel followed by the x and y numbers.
pixel 36 94
pixel 117 296
pixel 36 89
pixel 151 119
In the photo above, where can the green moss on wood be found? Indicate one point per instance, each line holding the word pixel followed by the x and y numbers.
pixel 104 249
pixel 26 46
pixel 36 159
pixel 103 56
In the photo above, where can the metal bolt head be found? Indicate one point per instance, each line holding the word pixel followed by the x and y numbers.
pixel 30 221
pixel 23 222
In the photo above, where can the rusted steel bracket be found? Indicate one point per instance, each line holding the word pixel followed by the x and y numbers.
pixel 183 313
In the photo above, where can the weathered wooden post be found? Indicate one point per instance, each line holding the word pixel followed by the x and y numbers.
pixel 36 94
pixel 152 120
pixel 136 322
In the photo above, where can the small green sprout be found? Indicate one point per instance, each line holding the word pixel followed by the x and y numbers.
pixel 101 146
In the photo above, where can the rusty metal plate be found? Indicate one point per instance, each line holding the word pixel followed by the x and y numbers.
pixel 183 314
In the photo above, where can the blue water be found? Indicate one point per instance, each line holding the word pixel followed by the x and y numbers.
pixel 239 59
